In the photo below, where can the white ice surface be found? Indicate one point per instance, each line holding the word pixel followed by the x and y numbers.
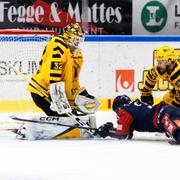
pixel 146 157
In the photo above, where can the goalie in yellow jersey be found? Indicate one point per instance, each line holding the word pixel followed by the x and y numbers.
pixel 167 68
pixel 61 61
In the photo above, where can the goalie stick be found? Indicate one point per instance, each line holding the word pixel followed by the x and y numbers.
pixel 46 96
pixel 54 121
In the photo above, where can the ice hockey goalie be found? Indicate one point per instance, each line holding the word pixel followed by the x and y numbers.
pixel 60 104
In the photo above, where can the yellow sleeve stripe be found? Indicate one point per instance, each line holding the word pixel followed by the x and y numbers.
pixel 55 78
pixel 150 81
pixel 53 71
pixel 149 76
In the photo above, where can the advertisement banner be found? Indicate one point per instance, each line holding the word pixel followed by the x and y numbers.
pixel 125 80
pixel 102 17
pixel 156 17
pixel 113 65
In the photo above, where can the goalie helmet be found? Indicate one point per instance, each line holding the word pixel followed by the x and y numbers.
pixel 120 101
pixel 73 34
pixel 164 53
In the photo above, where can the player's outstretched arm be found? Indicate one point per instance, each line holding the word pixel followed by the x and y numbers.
pixel 108 130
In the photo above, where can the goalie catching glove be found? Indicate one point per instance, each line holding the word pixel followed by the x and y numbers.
pixel 86 103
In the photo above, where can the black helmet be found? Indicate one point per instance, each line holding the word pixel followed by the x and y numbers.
pixel 120 101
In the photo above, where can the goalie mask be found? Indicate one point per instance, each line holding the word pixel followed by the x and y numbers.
pixel 73 35
pixel 120 101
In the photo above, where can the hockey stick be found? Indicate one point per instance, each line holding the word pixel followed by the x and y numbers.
pixel 46 96
pixel 52 122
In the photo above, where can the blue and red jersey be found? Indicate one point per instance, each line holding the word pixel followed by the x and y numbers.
pixel 136 116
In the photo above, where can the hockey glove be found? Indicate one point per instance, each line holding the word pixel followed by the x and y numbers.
pixel 148 99
pixel 86 103
pixel 103 131
pixel 176 135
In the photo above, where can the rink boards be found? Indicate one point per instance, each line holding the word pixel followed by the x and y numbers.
pixel 113 65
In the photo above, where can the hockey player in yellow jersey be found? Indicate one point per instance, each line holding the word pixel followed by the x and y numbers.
pixel 167 68
pixel 61 60
pixel 56 84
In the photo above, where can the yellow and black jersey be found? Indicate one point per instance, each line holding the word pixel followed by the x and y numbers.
pixel 172 76
pixel 58 64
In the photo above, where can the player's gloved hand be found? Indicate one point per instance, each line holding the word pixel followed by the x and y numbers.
pixel 103 131
pixel 147 99
pixel 86 103
pixel 176 135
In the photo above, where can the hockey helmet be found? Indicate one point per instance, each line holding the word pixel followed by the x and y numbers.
pixel 120 101
pixel 73 34
pixel 164 53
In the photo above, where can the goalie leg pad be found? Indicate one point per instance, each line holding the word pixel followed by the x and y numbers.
pixel 35 131
pixel 27 132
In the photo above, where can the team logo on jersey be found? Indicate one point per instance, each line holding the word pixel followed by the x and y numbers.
pixel 124 80
pixel 168 124
pixel 154 16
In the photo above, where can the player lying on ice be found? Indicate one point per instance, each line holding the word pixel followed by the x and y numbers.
pixel 142 117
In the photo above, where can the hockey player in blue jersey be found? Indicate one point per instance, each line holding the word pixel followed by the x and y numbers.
pixel 142 117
